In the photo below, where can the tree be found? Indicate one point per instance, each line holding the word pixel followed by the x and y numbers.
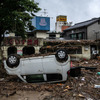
pixel 15 16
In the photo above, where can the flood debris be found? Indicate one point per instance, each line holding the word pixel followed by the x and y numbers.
pixel 82 87
pixel 96 86
pixel 98 73
pixel 8 93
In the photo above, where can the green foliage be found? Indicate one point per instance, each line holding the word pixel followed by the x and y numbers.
pixel 15 15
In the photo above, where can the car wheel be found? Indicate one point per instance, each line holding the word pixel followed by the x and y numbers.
pixel 13 60
pixel 61 55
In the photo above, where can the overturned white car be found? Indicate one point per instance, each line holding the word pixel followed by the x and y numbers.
pixel 46 68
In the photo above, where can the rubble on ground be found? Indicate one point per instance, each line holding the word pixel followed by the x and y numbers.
pixel 75 88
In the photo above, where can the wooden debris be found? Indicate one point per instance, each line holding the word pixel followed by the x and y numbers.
pixel 69 88
pixel 11 93
pixel 80 95
pixel 98 57
pixel 73 89
pixel 65 90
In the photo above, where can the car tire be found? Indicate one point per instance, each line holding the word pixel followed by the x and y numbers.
pixel 61 55
pixel 13 60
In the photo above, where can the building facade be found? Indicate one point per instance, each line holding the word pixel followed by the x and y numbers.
pixel 88 30
pixel 61 23
pixel 31 45
pixel 17 45
pixel 53 35
pixel 77 49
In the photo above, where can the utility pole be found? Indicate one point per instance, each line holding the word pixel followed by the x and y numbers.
pixel 96 33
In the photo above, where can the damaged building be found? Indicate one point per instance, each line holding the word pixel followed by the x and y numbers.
pixel 77 49
pixel 17 45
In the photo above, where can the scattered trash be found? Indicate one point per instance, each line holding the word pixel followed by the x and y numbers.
pixel 96 86
pixel 59 84
pixel 86 62
pixel 10 93
pixel 76 78
pixel 76 71
pixel 83 78
pixel 26 98
pixel 2 79
pixel 65 90
pixel 80 95
pixel 89 99
pixel 85 86
pixel 68 87
pixel 81 84
pixel 98 73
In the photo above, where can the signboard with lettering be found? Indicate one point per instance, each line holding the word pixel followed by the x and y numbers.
pixel 19 52
pixel 61 18
pixel 41 23
pixel 20 41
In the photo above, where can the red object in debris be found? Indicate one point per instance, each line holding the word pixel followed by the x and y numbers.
pixel 68 73
pixel 71 65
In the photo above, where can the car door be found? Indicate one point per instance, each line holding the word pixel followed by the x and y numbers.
pixel 32 66
pixel 50 65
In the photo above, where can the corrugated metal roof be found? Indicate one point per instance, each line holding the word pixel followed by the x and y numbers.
pixel 82 24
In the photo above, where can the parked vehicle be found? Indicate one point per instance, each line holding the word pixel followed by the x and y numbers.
pixel 51 67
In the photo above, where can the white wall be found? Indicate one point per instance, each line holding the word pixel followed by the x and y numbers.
pixel 58 26
pixel 43 35
pixel 86 54
pixel 57 35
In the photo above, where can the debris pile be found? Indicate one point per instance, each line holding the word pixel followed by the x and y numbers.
pixel 82 87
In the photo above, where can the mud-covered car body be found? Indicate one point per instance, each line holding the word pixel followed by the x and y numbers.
pixel 48 66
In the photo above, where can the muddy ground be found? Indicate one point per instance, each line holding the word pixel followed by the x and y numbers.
pixel 75 88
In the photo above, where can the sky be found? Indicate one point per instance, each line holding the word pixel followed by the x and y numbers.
pixel 75 10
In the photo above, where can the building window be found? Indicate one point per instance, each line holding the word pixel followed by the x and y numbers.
pixel 52 36
pixel 80 36
pixel 98 21
pixel 72 31
pixel 73 36
pixel 77 51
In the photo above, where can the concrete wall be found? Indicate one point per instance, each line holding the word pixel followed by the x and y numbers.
pixel 20 47
pixel 91 34
pixel 57 35
pixel 58 26
pixel 12 34
pixel 43 35
pixel 85 53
